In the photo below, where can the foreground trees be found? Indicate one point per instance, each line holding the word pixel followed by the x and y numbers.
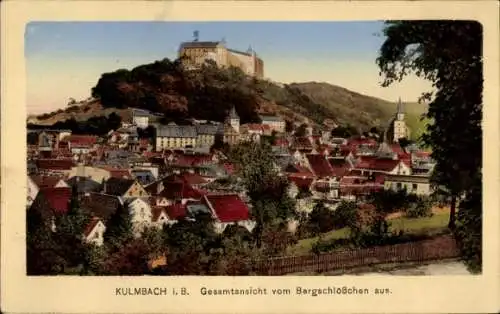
pixel 267 190
pixel 449 54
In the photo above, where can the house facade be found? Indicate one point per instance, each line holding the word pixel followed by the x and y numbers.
pixel 413 184
pixel 141 215
pixel 206 134
pixel 175 136
pixel 276 123
pixel 94 233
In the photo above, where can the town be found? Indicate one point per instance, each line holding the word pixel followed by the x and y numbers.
pixel 286 188
pixel 178 172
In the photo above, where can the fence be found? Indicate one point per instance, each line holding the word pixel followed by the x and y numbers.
pixel 440 247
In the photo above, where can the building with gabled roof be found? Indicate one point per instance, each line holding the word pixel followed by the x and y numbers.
pixel 229 209
pixel 124 188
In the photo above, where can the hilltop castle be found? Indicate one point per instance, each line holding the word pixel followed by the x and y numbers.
pixel 197 53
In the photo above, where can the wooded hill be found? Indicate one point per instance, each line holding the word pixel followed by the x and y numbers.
pixel 210 92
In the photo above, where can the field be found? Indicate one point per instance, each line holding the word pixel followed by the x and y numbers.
pixel 436 222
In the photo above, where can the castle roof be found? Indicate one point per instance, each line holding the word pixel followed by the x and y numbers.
pixel 199 44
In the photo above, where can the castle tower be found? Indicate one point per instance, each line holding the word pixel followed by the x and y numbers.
pixel 234 120
pixel 400 129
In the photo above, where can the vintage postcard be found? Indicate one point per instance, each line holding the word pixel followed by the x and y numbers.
pixel 253 157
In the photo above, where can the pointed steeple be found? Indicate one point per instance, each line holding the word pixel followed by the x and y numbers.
pixel 233 114
pixel 400 106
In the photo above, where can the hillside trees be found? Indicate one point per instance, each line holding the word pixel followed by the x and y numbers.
pixel 449 54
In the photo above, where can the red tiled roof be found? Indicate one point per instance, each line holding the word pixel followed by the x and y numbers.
pixel 279 141
pixel 118 173
pixel 320 165
pixel 352 142
pixel 228 208
pixel 188 160
pixel 176 211
pixel 55 164
pixel 193 178
pixel 58 198
pixel 340 167
pixel 301 182
pixel 254 127
pixel 151 154
pixel 397 149
pixel 298 170
pixel 180 190
pixel 379 179
pixel 92 224
pixel 81 140
pixel 377 164
pixel 46 181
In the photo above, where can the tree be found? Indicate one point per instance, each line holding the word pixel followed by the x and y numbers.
pixel 321 219
pixel 130 259
pixel 289 127
pixel 404 142
pixel 267 190
pixel 119 229
pixel 344 131
pixel 189 244
pixel 449 54
pixel 345 214
pixel 469 227
pixel 43 256
pixel 301 130
pixel 70 228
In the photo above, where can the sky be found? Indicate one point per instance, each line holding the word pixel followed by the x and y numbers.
pixel 66 59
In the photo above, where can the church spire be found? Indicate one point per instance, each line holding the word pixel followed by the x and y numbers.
pixel 400 106
pixel 233 114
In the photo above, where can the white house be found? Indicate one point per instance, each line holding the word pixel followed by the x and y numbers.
pixel 140 118
pixel 141 215
pixel 94 232
pixel 413 184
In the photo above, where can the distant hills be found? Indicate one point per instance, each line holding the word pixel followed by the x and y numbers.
pixel 210 92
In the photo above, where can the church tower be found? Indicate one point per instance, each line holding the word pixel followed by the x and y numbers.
pixel 234 120
pixel 400 116
pixel 400 129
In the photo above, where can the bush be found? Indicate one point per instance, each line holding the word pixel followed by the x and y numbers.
pixel 421 208
pixel 345 214
pixel 321 219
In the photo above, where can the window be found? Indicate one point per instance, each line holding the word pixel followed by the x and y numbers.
pixel 398 186
pixel 414 186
